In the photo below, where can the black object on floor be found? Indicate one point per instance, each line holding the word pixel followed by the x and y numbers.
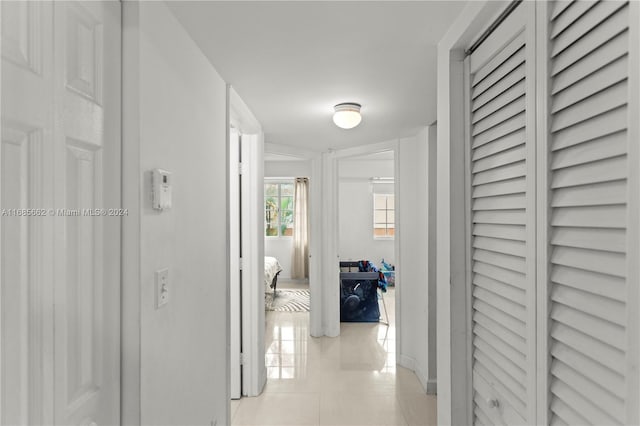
pixel 359 297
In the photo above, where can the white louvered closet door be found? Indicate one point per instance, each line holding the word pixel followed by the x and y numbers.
pixel 589 67
pixel 501 183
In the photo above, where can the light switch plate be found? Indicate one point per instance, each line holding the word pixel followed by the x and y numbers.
pixel 162 287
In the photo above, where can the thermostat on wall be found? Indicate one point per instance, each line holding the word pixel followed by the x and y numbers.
pixel 161 189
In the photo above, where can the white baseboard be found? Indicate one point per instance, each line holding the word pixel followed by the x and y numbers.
pixel 429 385
pixel 410 363
pixel 424 381
pixel 406 362
pixel 432 387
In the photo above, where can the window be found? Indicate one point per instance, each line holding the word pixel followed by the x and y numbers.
pixel 278 208
pixel 383 216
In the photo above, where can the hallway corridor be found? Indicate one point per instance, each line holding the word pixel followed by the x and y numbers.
pixel 352 379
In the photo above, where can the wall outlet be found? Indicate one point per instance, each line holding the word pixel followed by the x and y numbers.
pixel 162 287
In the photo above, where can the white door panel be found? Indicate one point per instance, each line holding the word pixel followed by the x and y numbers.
pixel 501 218
pixel 584 281
pixel 26 296
pixel 86 249
pixel 60 150
pixel 589 212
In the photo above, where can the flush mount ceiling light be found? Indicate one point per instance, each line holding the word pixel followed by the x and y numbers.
pixel 347 115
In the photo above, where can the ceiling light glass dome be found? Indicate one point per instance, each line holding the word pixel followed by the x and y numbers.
pixel 347 115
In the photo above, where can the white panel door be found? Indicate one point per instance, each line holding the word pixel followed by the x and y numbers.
pixel 589 217
pixel 86 247
pixel 501 211
pixel 60 157
pixel 26 163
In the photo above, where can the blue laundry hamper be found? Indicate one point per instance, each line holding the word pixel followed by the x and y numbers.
pixel 359 298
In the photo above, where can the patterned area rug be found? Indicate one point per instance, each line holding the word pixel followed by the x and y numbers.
pixel 287 301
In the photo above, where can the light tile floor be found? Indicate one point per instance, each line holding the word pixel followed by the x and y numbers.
pixel 352 379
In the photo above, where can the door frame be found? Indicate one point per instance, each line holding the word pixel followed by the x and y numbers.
pixel 240 117
pixel 324 315
pixel 453 355
pixel 318 325
pixel 332 248
pixel 235 306
pixel 633 413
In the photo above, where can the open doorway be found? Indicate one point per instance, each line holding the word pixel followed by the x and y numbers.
pixel 366 242
pixel 286 240
pixel 414 229
pixel 286 201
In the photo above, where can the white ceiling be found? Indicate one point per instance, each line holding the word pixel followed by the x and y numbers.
pixel 292 61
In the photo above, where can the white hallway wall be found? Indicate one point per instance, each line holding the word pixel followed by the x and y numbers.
pixel 282 248
pixel 174 358
pixel 355 204
pixel 416 284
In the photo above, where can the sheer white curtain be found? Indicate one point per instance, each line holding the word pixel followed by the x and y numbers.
pixel 300 259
